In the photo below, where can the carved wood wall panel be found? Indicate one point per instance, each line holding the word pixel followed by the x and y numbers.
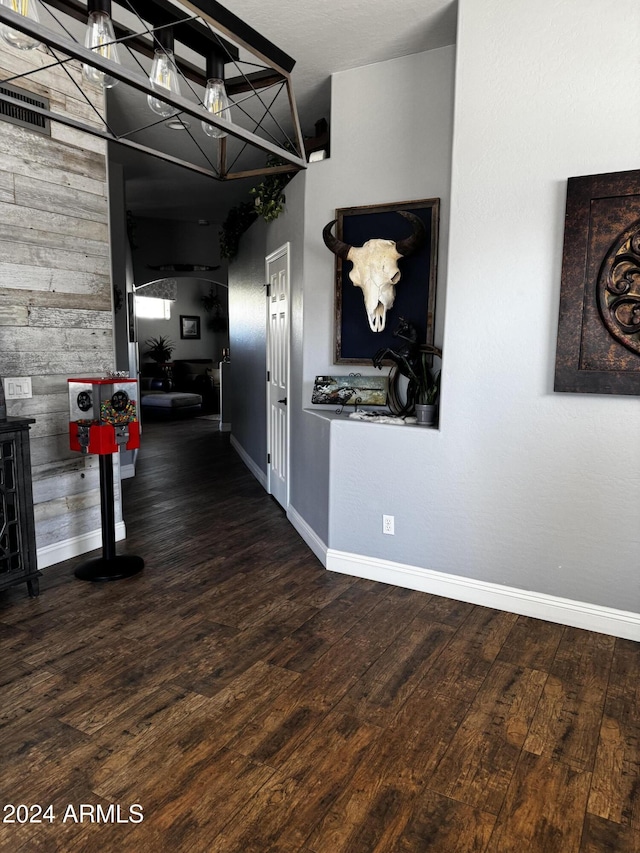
pixel 598 347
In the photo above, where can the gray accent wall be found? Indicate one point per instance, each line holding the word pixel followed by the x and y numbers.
pixel 247 336
pixel 520 488
pixel 405 157
pixel 365 168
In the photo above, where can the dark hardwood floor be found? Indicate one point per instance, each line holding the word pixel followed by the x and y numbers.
pixel 240 698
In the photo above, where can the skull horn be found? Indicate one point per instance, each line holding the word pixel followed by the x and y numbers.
pixel 414 242
pixel 337 246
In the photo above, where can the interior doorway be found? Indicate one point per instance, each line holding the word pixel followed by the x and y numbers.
pixel 278 348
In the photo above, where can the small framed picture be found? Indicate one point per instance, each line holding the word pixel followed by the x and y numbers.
pixel 189 327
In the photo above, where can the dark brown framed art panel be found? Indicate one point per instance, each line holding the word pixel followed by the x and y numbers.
pixel 415 297
pixel 598 348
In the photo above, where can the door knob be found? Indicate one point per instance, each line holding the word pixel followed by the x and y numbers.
pixel 284 400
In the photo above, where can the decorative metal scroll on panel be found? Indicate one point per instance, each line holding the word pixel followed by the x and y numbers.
pixel 598 348
pixel 619 289
pixel 352 390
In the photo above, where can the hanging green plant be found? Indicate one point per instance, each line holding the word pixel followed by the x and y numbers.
pixel 268 203
pixel 238 220
pixel 211 303
pixel 269 199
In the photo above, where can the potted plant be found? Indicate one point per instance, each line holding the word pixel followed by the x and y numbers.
pixel 159 349
pixel 423 390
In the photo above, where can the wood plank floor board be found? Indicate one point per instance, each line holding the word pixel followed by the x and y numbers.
pixel 464 664
pixel 615 790
pixel 294 800
pixel 206 801
pixel 539 808
pixel 300 649
pixel 604 836
pixel 567 723
pixel 478 766
pixel 532 643
pixel 446 610
pixel 248 699
pixel 379 694
pixel 440 823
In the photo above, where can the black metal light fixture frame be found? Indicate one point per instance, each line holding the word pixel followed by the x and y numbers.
pixel 199 33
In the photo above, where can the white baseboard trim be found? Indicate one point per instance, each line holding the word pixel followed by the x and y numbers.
pixel 257 472
pixel 564 611
pixel 224 426
pixel 308 534
pixel 57 552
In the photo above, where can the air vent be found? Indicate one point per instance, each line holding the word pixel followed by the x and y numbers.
pixel 22 115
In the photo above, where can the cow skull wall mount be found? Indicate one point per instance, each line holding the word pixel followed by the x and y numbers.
pixel 375 266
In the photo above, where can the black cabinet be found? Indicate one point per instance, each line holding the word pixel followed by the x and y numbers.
pixel 17 530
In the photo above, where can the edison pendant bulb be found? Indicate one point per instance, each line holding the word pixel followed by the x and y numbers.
pixel 164 75
pixel 14 37
pixel 98 37
pixel 218 104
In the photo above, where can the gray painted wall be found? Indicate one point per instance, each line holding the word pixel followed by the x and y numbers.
pixel 159 242
pixel 364 168
pixel 519 487
pixel 408 156
pixel 189 303
pixel 309 436
pixel 247 333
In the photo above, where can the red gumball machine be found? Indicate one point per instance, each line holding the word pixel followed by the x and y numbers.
pixel 103 419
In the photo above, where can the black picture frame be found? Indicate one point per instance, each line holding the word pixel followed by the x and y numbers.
pixel 415 300
pixel 190 327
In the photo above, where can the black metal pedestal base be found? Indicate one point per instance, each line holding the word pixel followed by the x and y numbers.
pixel 112 569
pixel 111 566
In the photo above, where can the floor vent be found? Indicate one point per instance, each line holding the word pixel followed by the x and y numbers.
pixel 22 115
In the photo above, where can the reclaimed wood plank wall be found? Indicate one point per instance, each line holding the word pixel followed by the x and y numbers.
pixel 56 317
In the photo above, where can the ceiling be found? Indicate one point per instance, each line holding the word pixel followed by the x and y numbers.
pixel 352 34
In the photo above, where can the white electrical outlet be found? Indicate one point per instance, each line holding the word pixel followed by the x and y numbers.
pixel 388 524
pixel 17 387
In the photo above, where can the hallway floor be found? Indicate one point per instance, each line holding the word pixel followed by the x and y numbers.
pixel 235 697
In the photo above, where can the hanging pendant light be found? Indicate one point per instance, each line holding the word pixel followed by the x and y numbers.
pixel 100 37
pixel 15 38
pixel 164 73
pixel 216 100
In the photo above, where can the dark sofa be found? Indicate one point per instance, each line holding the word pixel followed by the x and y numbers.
pixel 198 376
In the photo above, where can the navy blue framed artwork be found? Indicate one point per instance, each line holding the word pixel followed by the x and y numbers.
pixel 356 341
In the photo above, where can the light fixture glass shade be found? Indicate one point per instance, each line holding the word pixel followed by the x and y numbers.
pixel 216 102
pixel 164 75
pixel 13 37
pixel 98 37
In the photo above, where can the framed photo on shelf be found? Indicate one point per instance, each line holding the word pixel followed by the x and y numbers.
pixel 415 292
pixel 189 327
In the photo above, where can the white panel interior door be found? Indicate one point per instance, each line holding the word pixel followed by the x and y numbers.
pixel 278 375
